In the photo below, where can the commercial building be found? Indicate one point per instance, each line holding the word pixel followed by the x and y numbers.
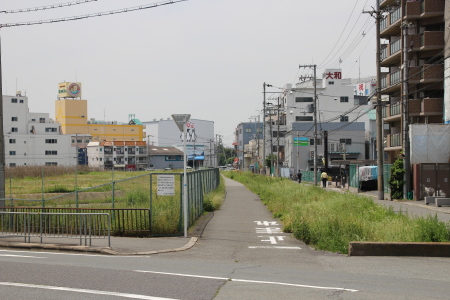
pixel 33 138
pixel 72 113
pixel 200 142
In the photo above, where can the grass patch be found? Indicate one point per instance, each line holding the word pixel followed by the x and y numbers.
pixel 214 200
pixel 330 220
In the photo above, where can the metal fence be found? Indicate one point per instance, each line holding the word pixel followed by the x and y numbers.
pixel 82 226
pixel 137 205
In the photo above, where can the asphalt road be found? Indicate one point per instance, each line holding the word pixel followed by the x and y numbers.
pixel 242 254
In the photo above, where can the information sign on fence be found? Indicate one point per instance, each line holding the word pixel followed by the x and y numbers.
pixel 166 185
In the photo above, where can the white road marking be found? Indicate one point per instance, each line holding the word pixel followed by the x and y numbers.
pixel 13 255
pixel 268 230
pixel 272 247
pixel 66 289
pixel 252 281
pixel 266 223
pixel 273 239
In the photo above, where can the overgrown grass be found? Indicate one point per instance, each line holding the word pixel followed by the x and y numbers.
pixel 214 200
pixel 330 220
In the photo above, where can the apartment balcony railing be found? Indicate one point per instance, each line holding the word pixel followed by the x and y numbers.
pixel 395 47
pixel 425 107
pixel 131 152
pixel 395 15
pixel 391 52
pixel 391 79
pixel 394 140
pixel 395 109
pixel 431 8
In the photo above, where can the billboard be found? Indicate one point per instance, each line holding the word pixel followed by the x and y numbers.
pixel 69 90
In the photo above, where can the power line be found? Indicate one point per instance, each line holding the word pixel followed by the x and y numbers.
pixel 92 15
pixel 45 7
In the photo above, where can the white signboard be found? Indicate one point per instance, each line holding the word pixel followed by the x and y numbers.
pixel 166 185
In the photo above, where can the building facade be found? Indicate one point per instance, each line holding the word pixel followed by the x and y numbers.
pixel 200 142
pixel 72 113
pixel 33 138
pixel 123 155
pixel 412 57
pixel 248 144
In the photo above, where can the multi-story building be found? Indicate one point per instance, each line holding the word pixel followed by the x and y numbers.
pixel 124 155
pixel 33 138
pixel 72 113
pixel 346 118
pixel 412 54
pixel 200 141
pixel 245 133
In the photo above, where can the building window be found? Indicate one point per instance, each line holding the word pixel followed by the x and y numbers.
pixel 12 141
pixel 345 141
pixel 304 99
pixel 33 120
pixel 51 141
pixel 132 129
pixel 12 164
pixel 51 163
pixel 21 100
pixel 50 129
pixel 86 141
pixel 331 82
pixel 303 118
pixel 344 99
pixel 13 100
pixel 259 129
pixel 114 129
pixel 79 141
pixel 14 119
pixel 51 152
pixel 344 118
pixel 12 152
pixel 248 130
pixel 41 120
pixel 73 141
pixel 14 129
pixel 101 159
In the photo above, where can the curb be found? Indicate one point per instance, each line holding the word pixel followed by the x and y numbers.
pixel 100 250
pixel 399 249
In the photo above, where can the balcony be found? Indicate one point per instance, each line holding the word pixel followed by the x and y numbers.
pixel 390 54
pixel 431 73
pixel 432 8
pixel 432 40
pixel 392 112
pixel 432 106
pixel 390 82
pixel 391 24
pixel 393 140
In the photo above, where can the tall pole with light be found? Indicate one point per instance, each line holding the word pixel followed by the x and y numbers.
pixel 181 121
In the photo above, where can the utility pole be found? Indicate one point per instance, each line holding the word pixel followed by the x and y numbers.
pixel 2 141
pixel 315 118
pixel 264 124
pixel 405 91
pixel 376 13
pixel 278 137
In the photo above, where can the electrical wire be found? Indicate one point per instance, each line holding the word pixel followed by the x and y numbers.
pixel 46 7
pixel 92 15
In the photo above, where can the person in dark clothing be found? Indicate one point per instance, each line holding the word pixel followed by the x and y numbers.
pixel 299 176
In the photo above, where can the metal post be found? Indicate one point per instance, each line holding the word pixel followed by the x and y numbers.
pixel 185 202
pixel 264 128
pixel 278 137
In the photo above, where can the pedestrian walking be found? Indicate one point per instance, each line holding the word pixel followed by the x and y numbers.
pixel 324 177
pixel 299 176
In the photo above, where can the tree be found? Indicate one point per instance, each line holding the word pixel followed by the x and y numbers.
pixel 396 181
pixel 226 155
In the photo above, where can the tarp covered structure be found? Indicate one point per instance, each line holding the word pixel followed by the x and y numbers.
pixel 430 143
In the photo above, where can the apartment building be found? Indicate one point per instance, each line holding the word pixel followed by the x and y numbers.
pixel 123 155
pixel 249 144
pixel 412 37
pixel 33 138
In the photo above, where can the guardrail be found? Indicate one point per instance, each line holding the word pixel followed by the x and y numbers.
pixel 82 226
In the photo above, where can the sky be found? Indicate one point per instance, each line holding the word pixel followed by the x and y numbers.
pixel 207 58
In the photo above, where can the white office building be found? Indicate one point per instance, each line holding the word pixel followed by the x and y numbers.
pixel 33 138
pixel 200 143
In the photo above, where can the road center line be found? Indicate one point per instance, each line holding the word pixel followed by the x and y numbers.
pixel 273 247
pixel 66 289
pixel 252 281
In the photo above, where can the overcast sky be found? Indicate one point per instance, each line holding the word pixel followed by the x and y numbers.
pixel 208 58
